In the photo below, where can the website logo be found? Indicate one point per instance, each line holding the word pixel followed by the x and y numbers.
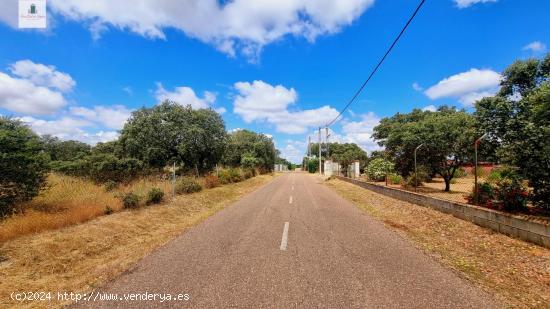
pixel 32 14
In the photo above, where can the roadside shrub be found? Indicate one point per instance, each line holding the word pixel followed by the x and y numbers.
pixel 379 168
pixel 485 194
pixel 395 178
pixel 512 194
pixel 187 185
pixel 235 175
pixel 154 196
pixel 110 185
pixel 23 165
pixel 249 173
pixel 224 177
pixel 505 190
pixel 313 165
pixel 211 181
pixel 130 200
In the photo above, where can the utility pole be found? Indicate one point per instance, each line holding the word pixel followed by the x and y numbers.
pixel 328 144
pixel 320 172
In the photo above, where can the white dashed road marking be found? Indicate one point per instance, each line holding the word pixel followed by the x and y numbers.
pixel 284 240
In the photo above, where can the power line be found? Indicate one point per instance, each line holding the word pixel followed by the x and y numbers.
pixel 379 63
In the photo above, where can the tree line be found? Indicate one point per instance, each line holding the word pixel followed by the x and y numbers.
pixel 195 140
pixel 514 125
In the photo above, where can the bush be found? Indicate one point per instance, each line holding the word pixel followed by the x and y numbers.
pixel 395 178
pixel 249 173
pixel 224 177
pixel 130 200
pixel 101 168
pixel 313 165
pixel 154 196
pixel 211 181
pixel 512 194
pixel 379 168
pixel 505 191
pixel 23 165
pixel 235 175
pixel 422 175
pixel 485 194
pixel 110 185
pixel 187 185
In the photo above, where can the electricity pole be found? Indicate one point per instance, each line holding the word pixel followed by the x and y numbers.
pixel 328 144
pixel 320 172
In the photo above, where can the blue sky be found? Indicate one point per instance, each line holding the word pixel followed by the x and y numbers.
pixel 277 67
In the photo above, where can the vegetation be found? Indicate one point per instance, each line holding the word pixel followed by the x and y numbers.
pixel 343 153
pixel 174 133
pixel 154 196
pixel 250 150
pixel 211 181
pixel 446 135
pixel 518 120
pixel 130 200
pixel 186 185
pixel 379 168
pixel 23 166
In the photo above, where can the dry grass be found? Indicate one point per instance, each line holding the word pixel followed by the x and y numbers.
pixel 68 201
pixel 516 272
pixel 81 257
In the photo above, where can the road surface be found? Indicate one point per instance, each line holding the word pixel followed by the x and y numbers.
pixel 293 243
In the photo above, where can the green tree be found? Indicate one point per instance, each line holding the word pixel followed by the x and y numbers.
pixel 23 164
pixel 250 149
pixel 170 132
pixel 518 120
pixel 343 153
pixel 59 150
pixel 379 168
pixel 447 135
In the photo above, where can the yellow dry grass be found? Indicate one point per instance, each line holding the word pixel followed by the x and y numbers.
pixel 69 200
pixel 81 257
pixel 517 272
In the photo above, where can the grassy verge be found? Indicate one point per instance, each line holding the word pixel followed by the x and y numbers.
pixel 81 257
pixel 516 272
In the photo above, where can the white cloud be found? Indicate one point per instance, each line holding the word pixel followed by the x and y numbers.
pixel 69 128
pixel 185 96
pixel 461 4
pixel 294 150
pixel 467 87
pixel 417 86
pixel 231 26
pixel 42 75
pixel 535 47
pixel 112 117
pixel 260 101
pixel 34 88
pixel 22 96
pixel 128 90
pixel 360 132
pixel 429 108
pixel 8 12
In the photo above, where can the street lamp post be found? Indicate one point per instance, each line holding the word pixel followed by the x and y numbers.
pixel 415 169
pixel 476 143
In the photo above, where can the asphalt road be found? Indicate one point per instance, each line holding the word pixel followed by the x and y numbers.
pixel 292 244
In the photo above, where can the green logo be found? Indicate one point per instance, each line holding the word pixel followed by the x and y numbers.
pixel 32 10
